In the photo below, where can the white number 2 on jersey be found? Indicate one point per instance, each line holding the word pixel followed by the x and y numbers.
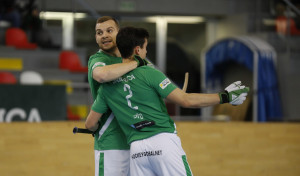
pixel 127 87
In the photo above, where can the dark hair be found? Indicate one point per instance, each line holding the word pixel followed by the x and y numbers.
pixel 106 18
pixel 130 37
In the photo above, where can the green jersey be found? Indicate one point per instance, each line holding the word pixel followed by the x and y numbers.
pixel 136 99
pixel 109 135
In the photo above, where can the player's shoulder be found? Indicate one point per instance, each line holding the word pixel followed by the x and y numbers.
pixel 148 69
pixel 98 56
pixel 146 72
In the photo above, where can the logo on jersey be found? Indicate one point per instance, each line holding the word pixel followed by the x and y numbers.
pixel 146 154
pixel 233 97
pixel 138 116
pixel 97 64
pixel 124 79
pixel 164 83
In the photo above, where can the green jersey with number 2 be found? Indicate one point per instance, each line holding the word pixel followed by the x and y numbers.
pixel 137 101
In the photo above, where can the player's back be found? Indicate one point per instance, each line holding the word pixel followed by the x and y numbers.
pixel 137 101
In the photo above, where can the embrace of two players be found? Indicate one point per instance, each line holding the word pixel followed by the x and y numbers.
pixel 136 136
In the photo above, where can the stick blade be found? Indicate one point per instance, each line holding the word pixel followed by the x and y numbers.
pixel 186 81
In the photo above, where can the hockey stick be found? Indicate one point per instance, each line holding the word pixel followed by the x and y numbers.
pixel 82 130
pixel 186 81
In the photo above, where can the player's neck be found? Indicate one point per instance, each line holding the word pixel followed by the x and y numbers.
pixel 114 53
pixel 131 58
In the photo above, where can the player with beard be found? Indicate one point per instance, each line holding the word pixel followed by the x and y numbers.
pixel 111 148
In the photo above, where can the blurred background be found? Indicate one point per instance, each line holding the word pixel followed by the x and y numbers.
pixel 217 42
pixel 45 46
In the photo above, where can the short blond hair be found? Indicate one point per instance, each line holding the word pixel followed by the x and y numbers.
pixel 106 18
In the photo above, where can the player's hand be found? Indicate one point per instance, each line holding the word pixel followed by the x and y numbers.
pixel 234 94
pixel 94 133
pixel 140 61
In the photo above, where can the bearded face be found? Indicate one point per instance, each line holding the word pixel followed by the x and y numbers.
pixel 106 33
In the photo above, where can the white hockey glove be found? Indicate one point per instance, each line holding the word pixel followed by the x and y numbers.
pixel 234 94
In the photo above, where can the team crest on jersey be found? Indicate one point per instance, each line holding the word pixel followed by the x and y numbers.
pixel 164 83
pixel 125 79
pixel 98 63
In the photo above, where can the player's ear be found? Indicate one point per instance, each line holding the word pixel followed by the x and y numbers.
pixel 137 50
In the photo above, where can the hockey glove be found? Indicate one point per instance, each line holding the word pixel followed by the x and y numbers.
pixel 234 94
pixel 140 61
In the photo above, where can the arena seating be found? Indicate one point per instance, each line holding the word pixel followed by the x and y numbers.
pixel 17 37
pixel 7 78
pixel 31 78
pixel 70 60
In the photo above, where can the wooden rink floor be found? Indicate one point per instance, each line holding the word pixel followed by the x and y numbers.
pixel 213 149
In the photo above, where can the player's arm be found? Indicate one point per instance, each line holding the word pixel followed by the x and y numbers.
pixel 193 100
pixel 234 94
pixel 111 72
pixel 98 108
pixel 91 122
